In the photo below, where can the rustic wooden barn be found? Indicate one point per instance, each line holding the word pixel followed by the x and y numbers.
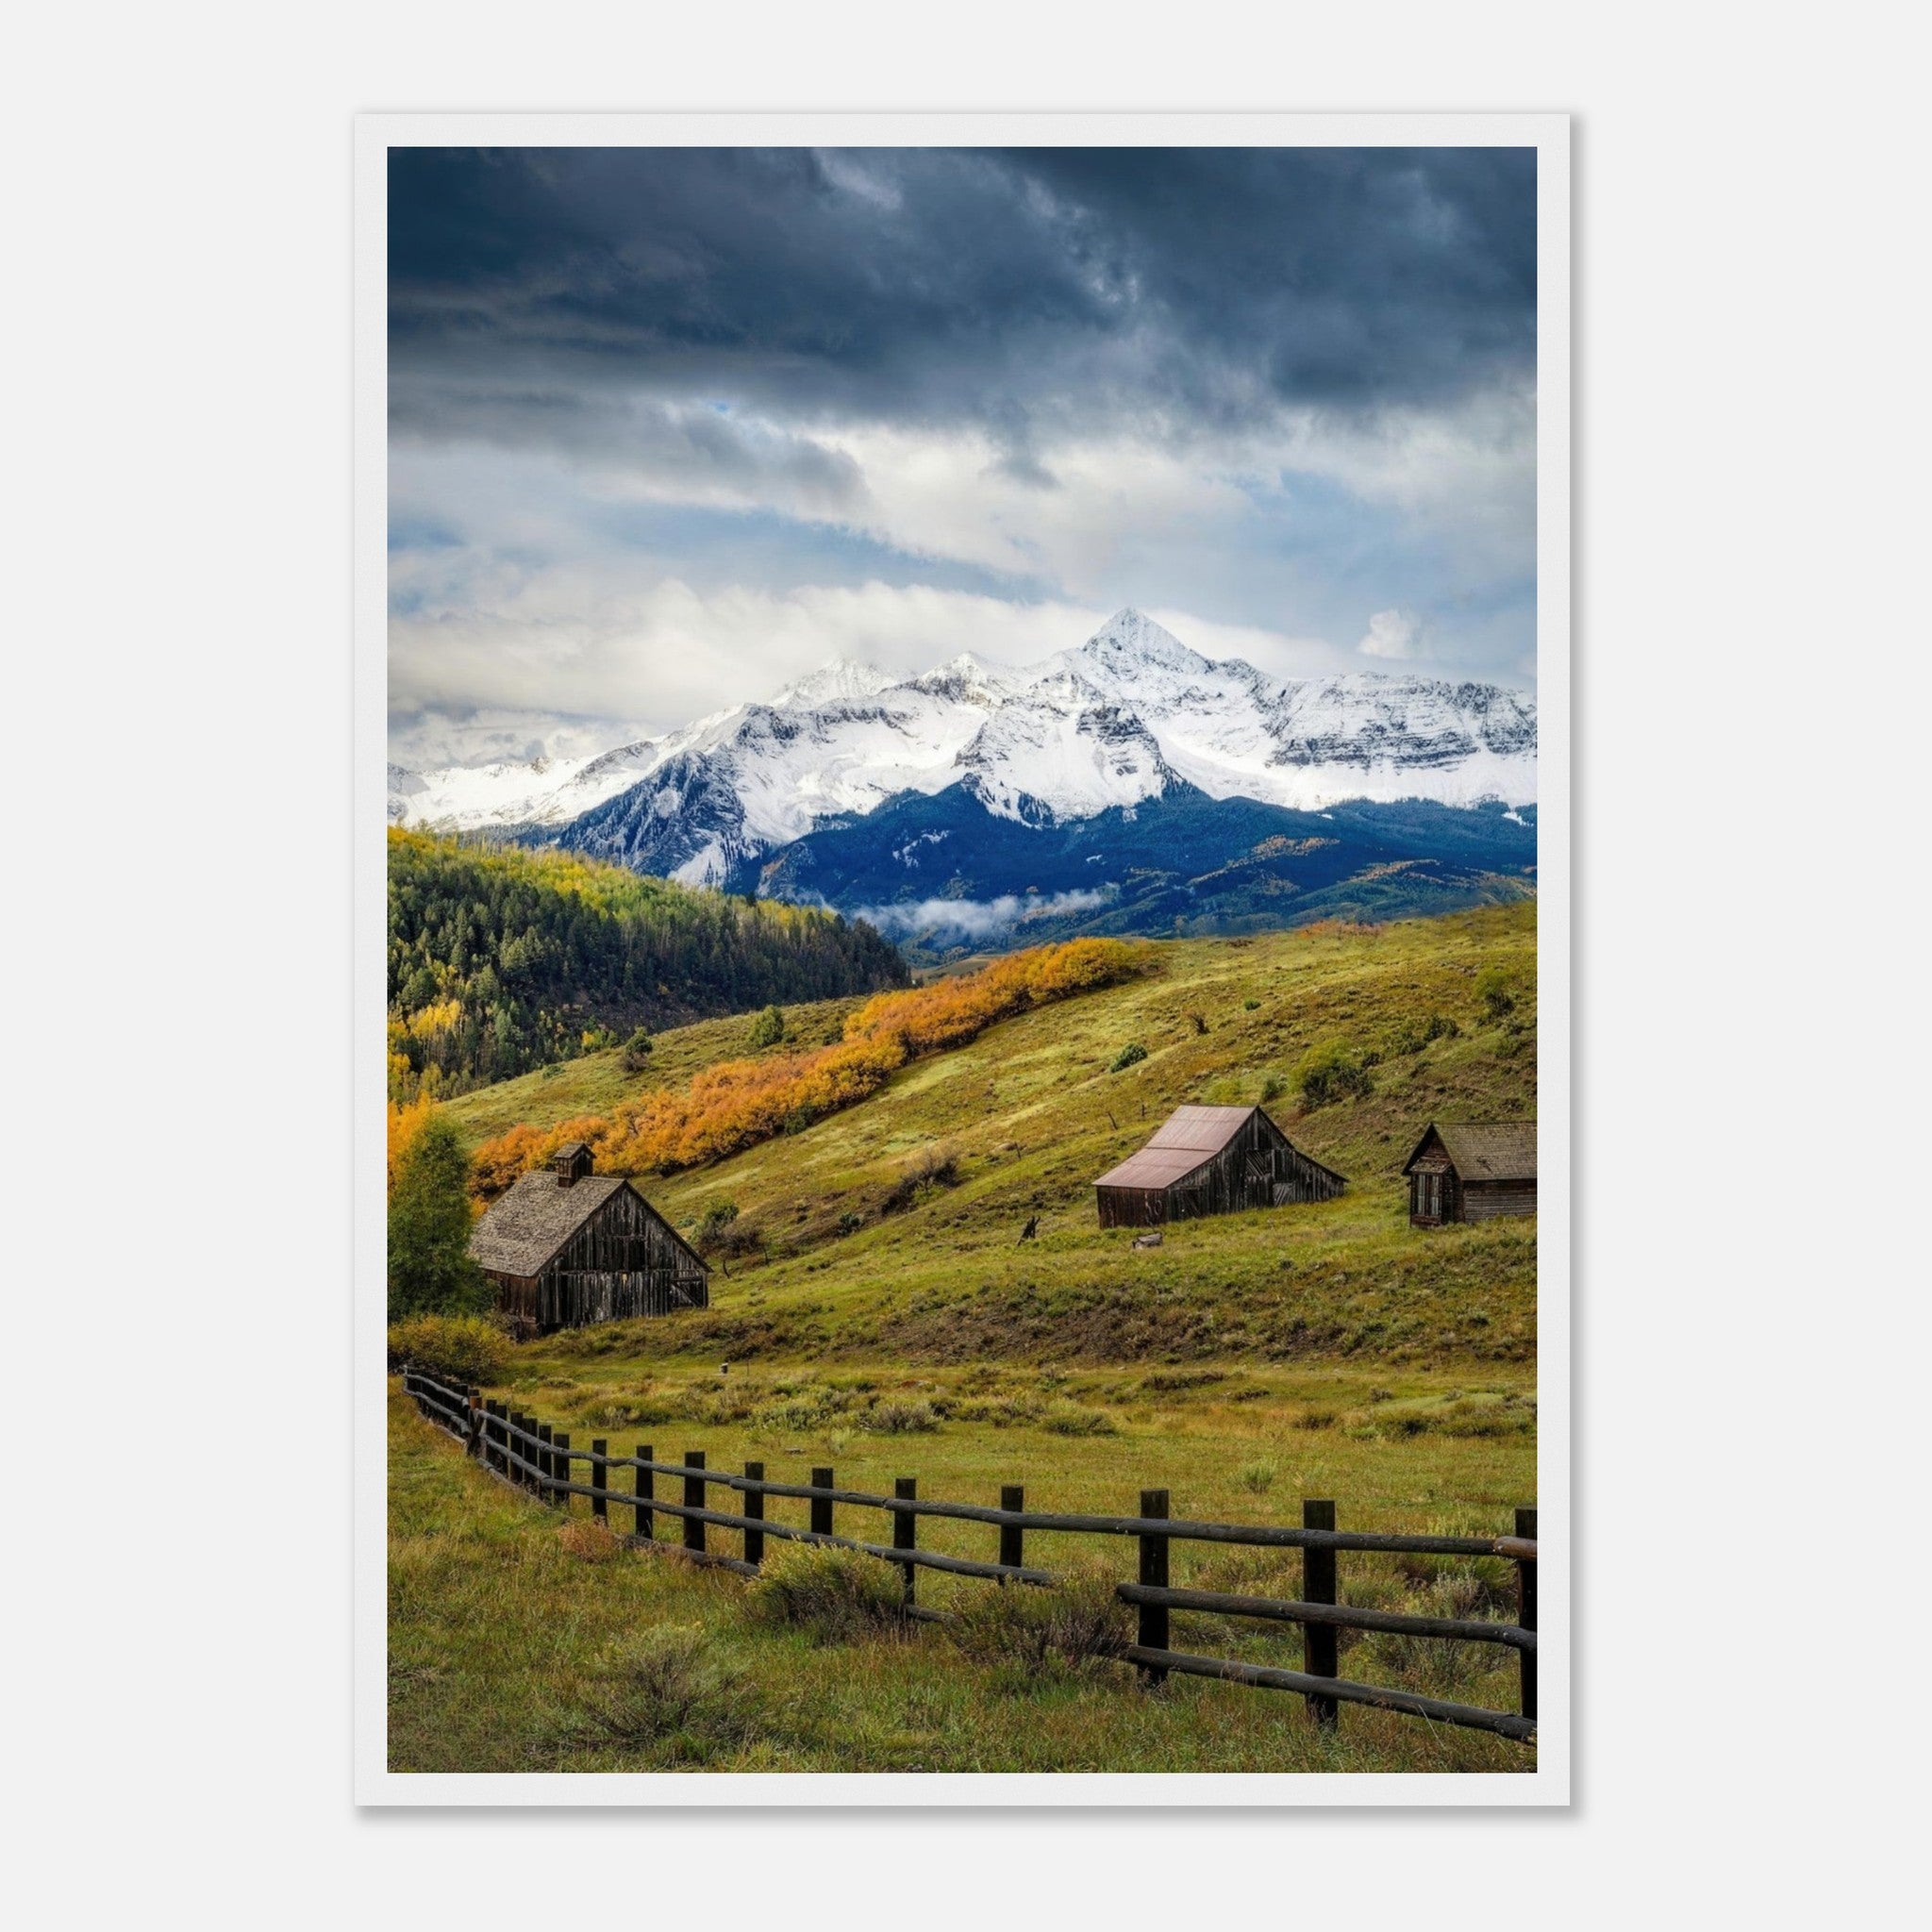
pixel 567 1247
pixel 1211 1160
pixel 1472 1173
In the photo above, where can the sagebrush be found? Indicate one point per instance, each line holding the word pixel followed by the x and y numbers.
pixel 835 1595
pixel 1033 1631
pixel 666 1688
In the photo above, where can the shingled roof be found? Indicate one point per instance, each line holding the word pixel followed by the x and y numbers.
pixel 1487 1151
pixel 524 1230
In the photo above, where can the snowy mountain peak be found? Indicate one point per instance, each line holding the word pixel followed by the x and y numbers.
pixel 971 669
pixel 840 680
pixel 1124 717
pixel 972 680
pixel 1127 639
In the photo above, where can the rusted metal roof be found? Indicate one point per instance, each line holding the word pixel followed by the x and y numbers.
pixel 1204 1129
pixel 1484 1150
pixel 1187 1138
pixel 1154 1167
pixel 523 1232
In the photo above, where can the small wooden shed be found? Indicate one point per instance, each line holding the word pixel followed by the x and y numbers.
pixel 1211 1160
pixel 567 1247
pixel 1472 1171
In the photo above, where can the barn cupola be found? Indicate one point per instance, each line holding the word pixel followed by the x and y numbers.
pixel 573 1162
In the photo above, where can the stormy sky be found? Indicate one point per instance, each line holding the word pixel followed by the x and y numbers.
pixel 670 427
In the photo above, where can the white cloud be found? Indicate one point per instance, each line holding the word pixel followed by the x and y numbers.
pixel 432 740
pixel 975 919
pixel 1392 634
pixel 959 496
pixel 1073 510
pixel 1466 478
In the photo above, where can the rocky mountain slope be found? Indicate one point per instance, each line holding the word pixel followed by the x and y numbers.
pixel 1121 718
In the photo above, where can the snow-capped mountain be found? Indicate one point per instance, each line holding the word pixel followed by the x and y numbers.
pixel 545 791
pixel 1130 715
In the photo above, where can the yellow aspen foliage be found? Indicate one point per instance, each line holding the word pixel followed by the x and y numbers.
pixel 432 1023
pixel 405 1121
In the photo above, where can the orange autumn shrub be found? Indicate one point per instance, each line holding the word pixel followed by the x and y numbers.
pixel 737 1104
pixel 497 1164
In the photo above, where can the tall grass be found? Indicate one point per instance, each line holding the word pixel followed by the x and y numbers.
pixel 507 1653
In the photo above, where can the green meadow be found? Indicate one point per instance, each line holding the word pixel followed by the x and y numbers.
pixel 521 1639
pixel 875 1308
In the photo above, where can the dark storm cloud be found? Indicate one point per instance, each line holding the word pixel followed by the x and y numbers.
pixel 705 447
pixel 671 426
pixel 1163 291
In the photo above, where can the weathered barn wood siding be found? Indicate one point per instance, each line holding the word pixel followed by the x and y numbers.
pixel 1434 1195
pixel 1486 1200
pixel 1297 1178
pixel 624 1261
pixel 1257 1168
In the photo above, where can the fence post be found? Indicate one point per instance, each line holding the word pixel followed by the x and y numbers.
pixel 1012 1537
pixel 1526 1611
pixel 754 1506
pixel 906 1536
pixel 526 1450
pixel 472 1444
pixel 600 1479
pixel 644 1489
pixel 546 1468
pixel 1152 1634
pixel 490 1435
pixel 1319 1649
pixel 559 1460
pixel 694 1499
pixel 822 1506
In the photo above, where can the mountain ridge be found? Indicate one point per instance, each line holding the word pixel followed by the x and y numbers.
pixel 943 877
pixel 1125 716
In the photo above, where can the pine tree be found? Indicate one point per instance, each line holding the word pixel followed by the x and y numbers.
pixel 430 1271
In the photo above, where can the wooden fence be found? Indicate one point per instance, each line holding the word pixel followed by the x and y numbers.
pixel 537 1458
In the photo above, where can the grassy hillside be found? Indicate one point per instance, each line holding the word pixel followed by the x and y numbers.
pixel 882 1315
pixel 596 1081
pixel 892 1231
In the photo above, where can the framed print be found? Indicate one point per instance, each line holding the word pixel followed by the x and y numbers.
pixel 962 959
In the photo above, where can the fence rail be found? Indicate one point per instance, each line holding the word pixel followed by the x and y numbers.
pixel 538 1458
